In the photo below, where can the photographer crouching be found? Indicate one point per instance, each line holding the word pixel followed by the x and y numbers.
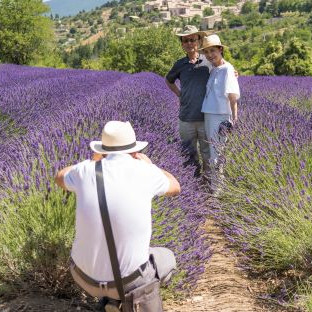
pixel 111 254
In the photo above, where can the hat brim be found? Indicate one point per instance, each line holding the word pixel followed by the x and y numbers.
pixel 183 35
pixel 200 33
pixel 204 33
pixel 96 147
pixel 213 45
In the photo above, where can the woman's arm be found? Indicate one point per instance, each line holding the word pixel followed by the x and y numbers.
pixel 233 103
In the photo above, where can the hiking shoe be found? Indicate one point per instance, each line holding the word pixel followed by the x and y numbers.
pixel 112 306
pixel 100 306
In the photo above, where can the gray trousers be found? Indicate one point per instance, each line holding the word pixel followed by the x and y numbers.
pixel 165 265
pixel 193 133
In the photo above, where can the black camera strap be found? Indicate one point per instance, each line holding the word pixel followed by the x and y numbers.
pixel 108 229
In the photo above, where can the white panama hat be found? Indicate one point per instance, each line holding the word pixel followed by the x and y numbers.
pixel 190 30
pixel 117 138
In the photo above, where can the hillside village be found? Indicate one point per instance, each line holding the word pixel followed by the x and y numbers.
pixel 188 9
pixel 73 31
pixel 263 37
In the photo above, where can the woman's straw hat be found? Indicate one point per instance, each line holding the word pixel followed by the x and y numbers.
pixel 211 41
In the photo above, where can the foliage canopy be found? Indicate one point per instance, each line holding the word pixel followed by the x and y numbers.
pixel 24 31
pixel 155 49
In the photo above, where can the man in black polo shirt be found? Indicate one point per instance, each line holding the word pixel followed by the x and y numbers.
pixel 193 73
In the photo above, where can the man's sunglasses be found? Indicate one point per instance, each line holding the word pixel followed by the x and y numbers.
pixel 189 40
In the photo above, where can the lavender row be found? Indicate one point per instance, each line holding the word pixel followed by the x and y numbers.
pixel 265 204
pixel 64 112
pixel 284 90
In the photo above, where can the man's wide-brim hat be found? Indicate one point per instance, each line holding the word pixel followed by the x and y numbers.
pixel 211 41
pixel 190 30
pixel 117 138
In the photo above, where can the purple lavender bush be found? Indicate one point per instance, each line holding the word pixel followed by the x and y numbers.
pixel 48 117
pixel 284 90
pixel 266 199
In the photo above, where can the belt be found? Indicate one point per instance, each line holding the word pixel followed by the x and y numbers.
pixel 111 284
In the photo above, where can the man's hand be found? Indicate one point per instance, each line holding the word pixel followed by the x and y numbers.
pixel 173 87
pixel 141 156
pixel 59 178
pixel 97 156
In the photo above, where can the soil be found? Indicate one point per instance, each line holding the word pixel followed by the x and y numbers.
pixel 222 288
pixel 92 39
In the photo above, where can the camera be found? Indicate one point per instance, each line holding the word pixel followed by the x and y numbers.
pixel 225 127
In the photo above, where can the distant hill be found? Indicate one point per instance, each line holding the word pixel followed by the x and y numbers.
pixel 72 7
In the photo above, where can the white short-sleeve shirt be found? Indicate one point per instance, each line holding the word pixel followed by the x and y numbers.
pixel 222 81
pixel 130 185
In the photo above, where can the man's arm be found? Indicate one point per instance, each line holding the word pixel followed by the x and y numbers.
pixel 59 178
pixel 174 185
pixel 173 87
pixel 233 102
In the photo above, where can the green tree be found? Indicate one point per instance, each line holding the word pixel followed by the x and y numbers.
pixel 24 32
pixel 272 8
pixel 289 5
pixel 248 7
pixel 235 21
pixel 114 14
pixel 253 19
pixel 309 21
pixel 266 65
pixel 262 5
pixel 306 6
pixel 296 60
pixel 154 50
pixel 266 69
pixel 208 12
pixel 73 30
pixel 195 20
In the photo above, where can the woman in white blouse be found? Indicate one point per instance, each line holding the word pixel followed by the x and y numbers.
pixel 220 103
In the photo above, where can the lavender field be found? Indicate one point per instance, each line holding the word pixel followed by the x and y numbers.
pixel 265 207
pixel 47 119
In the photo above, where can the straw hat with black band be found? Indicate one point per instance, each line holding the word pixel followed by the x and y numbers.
pixel 191 30
pixel 118 138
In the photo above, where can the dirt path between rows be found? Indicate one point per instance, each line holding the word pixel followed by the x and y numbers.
pixel 222 288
